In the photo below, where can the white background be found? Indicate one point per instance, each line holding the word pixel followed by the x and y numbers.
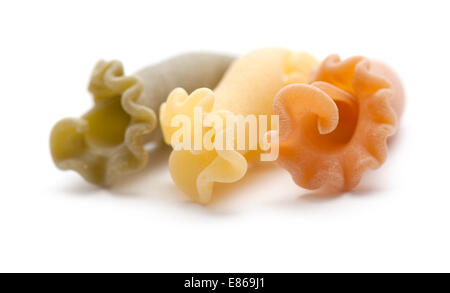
pixel 397 220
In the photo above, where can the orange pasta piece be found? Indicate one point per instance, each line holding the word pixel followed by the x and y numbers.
pixel 107 143
pixel 336 127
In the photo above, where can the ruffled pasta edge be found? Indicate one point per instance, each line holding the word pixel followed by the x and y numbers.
pixel 69 148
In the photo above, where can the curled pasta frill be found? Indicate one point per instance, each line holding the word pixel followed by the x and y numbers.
pixel 107 141
pixel 248 88
pixel 335 128
pixel 196 171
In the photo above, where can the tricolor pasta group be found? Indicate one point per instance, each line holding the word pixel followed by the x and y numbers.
pixel 324 122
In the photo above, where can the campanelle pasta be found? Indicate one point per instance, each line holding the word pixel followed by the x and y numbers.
pixel 335 128
pixel 108 141
pixel 248 88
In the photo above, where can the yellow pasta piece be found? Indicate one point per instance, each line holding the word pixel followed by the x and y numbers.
pixel 248 88
pixel 108 141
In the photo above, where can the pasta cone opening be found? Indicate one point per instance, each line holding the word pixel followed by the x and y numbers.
pixel 320 146
pixel 107 122
pixel 108 141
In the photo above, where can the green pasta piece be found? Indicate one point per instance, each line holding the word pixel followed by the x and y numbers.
pixel 108 141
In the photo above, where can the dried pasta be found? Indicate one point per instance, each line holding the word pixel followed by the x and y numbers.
pixel 248 88
pixel 108 141
pixel 335 128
